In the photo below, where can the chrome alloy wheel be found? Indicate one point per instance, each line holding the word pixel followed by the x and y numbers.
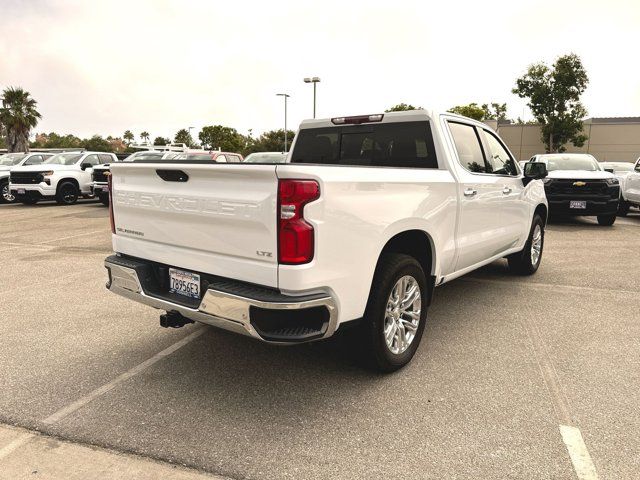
pixel 6 193
pixel 402 314
pixel 536 245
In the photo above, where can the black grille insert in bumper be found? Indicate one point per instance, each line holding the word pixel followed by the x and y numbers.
pixel 26 178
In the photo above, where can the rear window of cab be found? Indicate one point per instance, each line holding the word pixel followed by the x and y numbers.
pixel 400 145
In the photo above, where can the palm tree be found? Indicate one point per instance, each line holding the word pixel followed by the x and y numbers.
pixel 128 136
pixel 18 115
pixel 145 136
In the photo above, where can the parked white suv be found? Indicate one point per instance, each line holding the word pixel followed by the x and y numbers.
pixel 632 188
pixel 12 160
pixel 371 213
pixel 64 177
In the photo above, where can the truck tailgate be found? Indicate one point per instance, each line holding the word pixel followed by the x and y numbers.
pixel 218 219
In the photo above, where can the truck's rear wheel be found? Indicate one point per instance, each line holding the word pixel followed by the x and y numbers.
pixel 67 193
pixel 527 261
pixel 623 208
pixel 396 313
pixel 607 220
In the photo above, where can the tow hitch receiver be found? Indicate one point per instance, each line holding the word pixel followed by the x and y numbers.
pixel 173 320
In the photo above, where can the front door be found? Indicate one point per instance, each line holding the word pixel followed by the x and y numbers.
pixel 480 226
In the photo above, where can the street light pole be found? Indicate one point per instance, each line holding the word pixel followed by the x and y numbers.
pixel 285 95
pixel 314 80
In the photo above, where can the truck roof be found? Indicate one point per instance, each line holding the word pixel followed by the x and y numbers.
pixel 389 117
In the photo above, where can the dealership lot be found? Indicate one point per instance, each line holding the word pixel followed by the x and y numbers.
pixel 504 362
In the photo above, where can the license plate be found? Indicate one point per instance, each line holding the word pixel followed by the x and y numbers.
pixel 105 189
pixel 21 191
pixel 579 204
pixel 184 283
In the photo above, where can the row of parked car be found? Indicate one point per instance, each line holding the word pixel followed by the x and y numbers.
pixel 67 176
pixel 578 185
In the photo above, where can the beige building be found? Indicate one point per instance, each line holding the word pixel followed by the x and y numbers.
pixel 610 139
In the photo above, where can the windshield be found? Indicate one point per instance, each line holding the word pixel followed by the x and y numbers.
pixel 11 159
pixel 618 166
pixel 570 162
pixel 143 156
pixel 266 157
pixel 64 159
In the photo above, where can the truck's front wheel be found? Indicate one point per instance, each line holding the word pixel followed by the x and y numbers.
pixel 396 313
pixel 67 193
pixel 527 261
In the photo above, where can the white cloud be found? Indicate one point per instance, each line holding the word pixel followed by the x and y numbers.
pixel 103 67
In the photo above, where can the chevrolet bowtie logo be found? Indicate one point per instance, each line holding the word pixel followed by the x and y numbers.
pixel 579 184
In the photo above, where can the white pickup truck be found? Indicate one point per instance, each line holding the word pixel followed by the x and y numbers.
pixel 368 215
pixel 63 177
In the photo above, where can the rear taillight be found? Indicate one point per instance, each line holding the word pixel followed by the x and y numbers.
pixel 111 219
pixel 295 235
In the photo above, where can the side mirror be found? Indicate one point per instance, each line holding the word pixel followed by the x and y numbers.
pixel 610 170
pixel 534 171
pixel 84 166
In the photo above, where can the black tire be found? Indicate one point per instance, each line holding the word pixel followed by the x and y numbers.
pixel 623 208
pixel 370 334
pixel 5 193
pixel 607 220
pixel 523 262
pixel 104 199
pixel 67 193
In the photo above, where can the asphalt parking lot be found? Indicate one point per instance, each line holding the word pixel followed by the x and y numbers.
pixel 504 362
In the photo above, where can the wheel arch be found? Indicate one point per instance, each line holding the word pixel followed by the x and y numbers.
pixel 417 244
pixel 68 179
pixel 543 211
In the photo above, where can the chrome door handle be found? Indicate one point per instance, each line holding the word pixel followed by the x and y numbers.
pixel 470 192
pixel 506 190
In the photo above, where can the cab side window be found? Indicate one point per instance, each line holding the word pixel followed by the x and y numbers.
pixel 34 160
pixel 468 147
pixel 221 159
pixel 91 160
pixel 498 159
pixel 638 166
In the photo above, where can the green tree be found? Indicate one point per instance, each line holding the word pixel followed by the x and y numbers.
pixel 128 136
pixel 271 141
pixel 96 144
pixel 227 139
pixel 53 140
pixel 473 110
pixel 554 99
pixel 403 107
pixel 183 136
pixel 18 115
pixel 145 136
pixel 495 111
pixel 161 141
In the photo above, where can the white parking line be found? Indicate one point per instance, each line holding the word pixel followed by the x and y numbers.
pixel 571 436
pixel 13 445
pixel 91 396
pixel 578 452
pixel 94 394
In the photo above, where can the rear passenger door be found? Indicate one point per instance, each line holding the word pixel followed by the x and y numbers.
pixel 481 232
pixel 515 210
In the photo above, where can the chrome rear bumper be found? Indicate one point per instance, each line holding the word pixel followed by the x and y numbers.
pixel 220 309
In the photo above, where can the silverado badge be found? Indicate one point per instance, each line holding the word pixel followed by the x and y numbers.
pixel 579 184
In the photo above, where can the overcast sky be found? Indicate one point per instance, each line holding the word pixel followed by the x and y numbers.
pixel 100 67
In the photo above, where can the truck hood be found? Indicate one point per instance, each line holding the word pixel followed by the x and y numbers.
pixel 580 174
pixel 5 168
pixel 43 167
